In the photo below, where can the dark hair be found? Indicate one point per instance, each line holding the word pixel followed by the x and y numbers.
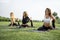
pixel 49 10
pixel 26 15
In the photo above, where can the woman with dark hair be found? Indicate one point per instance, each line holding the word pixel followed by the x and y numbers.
pixel 49 18
pixel 25 20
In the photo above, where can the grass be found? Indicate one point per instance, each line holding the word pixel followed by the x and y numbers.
pixel 14 33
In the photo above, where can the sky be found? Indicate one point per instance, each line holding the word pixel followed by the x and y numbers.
pixel 34 8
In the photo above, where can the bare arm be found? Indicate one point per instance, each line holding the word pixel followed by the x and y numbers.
pixel 52 17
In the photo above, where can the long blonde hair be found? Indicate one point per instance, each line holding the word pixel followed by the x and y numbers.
pixel 12 15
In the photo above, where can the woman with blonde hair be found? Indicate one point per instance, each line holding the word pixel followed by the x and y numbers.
pixel 13 19
pixel 48 20
pixel 25 20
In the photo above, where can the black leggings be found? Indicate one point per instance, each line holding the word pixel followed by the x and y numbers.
pixel 26 25
pixel 43 28
pixel 14 24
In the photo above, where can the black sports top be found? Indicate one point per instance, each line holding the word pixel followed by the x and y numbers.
pixel 25 20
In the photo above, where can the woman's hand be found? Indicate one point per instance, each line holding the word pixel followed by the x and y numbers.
pixel 30 18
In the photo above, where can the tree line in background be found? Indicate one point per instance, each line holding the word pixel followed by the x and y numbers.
pixel 56 17
pixel 8 19
pixel 54 13
pixel 4 18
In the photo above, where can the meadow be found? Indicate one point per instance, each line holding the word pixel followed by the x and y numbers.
pixel 31 33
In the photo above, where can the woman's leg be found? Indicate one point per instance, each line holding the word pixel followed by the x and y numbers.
pixel 10 24
pixel 25 25
pixel 43 28
pixel 15 24
pixel 50 27
pixel 18 23
pixel 40 29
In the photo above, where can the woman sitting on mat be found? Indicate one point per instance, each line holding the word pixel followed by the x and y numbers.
pixel 25 20
pixel 12 18
pixel 49 18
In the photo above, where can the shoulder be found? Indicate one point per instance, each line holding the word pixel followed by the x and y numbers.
pixel 52 17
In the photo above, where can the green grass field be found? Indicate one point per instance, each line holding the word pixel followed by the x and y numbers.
pixel 14 33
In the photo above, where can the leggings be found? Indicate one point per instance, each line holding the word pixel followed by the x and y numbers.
pixel 26 25
pixel 14 24
pixel 43 28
